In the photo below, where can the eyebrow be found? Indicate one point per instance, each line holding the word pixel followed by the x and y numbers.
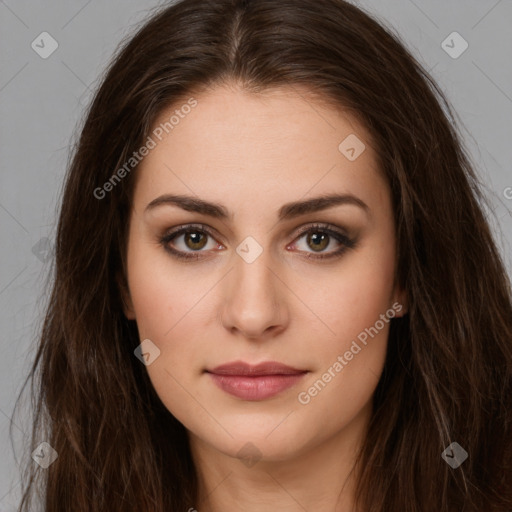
pixel 286 212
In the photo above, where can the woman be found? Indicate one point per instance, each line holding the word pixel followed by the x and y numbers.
pixel 275 287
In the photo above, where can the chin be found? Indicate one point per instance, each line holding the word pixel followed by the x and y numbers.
pixel 271 441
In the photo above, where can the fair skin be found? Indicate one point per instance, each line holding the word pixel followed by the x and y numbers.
pixel 253 154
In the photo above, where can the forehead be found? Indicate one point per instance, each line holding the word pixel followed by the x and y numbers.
pixel 234 146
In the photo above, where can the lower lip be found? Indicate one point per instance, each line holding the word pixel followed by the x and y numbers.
pixel 255 388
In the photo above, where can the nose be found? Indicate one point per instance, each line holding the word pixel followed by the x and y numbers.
pixel 254 306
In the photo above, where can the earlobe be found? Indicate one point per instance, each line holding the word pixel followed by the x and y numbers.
pixel 402 303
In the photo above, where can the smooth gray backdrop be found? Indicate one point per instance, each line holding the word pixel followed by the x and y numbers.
pixel 42 99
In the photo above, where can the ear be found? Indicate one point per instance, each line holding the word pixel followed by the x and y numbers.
pixel 401 298
pixel 125 296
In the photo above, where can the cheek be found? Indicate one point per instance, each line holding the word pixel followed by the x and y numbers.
pixel 356 306
pixel 164 300
pixel 160 291
pixel 352 297
pixel 168 302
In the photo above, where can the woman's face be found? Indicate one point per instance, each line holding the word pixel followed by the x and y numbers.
pixel 260 286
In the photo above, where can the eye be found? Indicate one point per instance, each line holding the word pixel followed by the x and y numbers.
pixel 321 236
pixel 194 238
pixel 187 242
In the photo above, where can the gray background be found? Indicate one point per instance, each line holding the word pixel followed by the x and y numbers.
pixel 41 101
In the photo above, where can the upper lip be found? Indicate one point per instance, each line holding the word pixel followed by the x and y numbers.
pixel 265 368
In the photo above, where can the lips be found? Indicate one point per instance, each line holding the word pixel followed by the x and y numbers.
pixel 255 382
pixel 266 368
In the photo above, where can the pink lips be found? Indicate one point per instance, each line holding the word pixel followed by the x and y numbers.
pixel 255 382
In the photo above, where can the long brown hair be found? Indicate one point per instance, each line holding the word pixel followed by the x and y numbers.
pixel 448 373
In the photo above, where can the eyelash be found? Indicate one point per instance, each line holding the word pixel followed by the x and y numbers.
pixel 346 243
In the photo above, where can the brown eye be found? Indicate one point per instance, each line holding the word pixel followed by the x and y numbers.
pixel 195 240
pixel 321 241
pixel 189 242
pixel 318 242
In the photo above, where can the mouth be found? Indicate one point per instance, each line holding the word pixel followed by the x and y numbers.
pixel 255 382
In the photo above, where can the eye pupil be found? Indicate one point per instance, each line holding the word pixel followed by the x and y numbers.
pixel 195 237
pixel 318 240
